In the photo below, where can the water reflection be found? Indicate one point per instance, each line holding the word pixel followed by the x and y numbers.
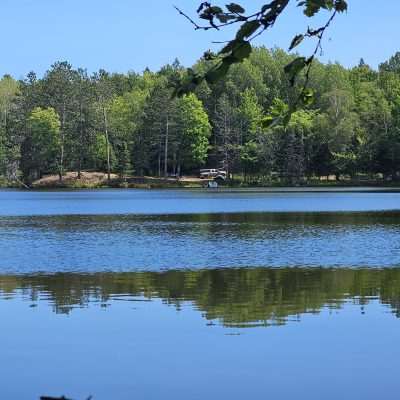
pixel 230 297
pixel 91 244
pixel 102 202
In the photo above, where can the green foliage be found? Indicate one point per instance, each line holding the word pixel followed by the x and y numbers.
pixel 245 122
pixel 194 130
pixel 125 116
pixel 9 89
pixel 249 157
pixel 98 153
pixel 251 112
pixel 124 163
pixel 44 126
pixel 312 7
pixel 9 145
pixel 295 67
pixel 251 26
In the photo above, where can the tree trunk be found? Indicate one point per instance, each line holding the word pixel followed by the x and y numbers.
pixel 61 166
pixel 79 168
pixel 81 138
pixel 159 152
pixel 174 164
pixel 166 148
pixel 107 142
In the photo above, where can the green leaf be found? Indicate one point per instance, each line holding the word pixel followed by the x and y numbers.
pixel 242 51
pixel 341 5
pixel 271 121
pixel 218 72
pixel 229 47
pixel 307 97
pixel 215 10
pixel 236 51
pixel 267 121
pixel 286 118
pixel 247 29
pixel 312 7
pixel 294 68
pixel 266 7
pixel 188 83
pixel 296 41
pixel 209 55
pixel 235 8
pixel 205 15
pixel 224 18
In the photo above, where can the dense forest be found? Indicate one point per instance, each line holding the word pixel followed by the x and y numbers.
pixel 132 124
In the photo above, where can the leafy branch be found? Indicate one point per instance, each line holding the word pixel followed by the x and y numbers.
pixel 252 26
pixel 293 69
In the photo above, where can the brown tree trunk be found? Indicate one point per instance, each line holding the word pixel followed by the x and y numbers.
pixel 107 142
pixel 166 148
pixel 61 165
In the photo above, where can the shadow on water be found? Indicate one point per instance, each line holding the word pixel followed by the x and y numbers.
pixel 241 298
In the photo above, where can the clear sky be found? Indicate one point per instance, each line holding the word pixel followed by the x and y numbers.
pixel 122 35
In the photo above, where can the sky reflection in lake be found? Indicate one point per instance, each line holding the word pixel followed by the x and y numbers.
pixel 202 334
pixel 133 243
pixel 162 202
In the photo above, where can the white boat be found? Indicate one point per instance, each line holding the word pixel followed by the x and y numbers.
pixel 212 185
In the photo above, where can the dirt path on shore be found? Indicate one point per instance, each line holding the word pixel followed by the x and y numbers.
pixel 99 179
pixel 70 179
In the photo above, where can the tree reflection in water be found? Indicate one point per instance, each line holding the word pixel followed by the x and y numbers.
pixel 245 297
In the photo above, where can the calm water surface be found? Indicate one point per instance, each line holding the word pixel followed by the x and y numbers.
pixel 106 202
pixel 196 294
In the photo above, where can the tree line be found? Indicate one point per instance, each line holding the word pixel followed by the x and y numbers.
pixel 132 124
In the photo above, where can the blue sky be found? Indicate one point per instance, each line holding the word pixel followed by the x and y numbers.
pixel 122 35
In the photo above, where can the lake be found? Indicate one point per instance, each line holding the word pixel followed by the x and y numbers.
pixel 182 294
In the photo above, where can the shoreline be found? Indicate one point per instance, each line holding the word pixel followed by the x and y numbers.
pixel 312 188
pixel 98 180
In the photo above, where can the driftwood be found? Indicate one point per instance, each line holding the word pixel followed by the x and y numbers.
pixel 59 398
pixel 54 398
